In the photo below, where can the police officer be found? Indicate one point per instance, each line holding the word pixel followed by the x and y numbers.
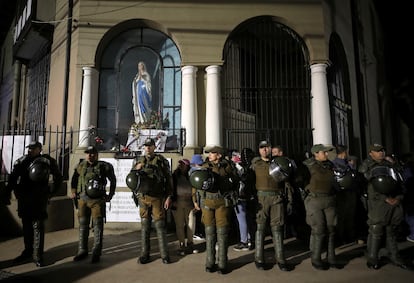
pixel 270 196
pixel 88 186
pixel 320 205
pixel 218 199
pixel 30 181
pixel 155 190
pixel 385 210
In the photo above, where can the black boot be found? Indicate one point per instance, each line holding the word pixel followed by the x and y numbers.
pixel 392 248
pixel 27 254
pixel 316 252
pixel 210 248
pixel 331 249
pixel 162 241
pixel 145 241
pixel 222 239
pixel 97 239
pixel 83 239
pixel 38 242
pixel 259 251
pixel 277 233
pixel 373 246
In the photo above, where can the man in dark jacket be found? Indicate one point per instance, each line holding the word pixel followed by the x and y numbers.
pixel 29 180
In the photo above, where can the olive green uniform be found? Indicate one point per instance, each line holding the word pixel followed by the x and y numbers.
pixel 381 215
pixel 217 205
pixel 271 205
pixel 155 186
pixel 320 205
pixel 95 206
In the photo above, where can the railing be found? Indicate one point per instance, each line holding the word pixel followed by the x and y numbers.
pixel 59 143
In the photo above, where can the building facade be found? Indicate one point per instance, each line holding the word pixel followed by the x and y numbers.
pixel 227 73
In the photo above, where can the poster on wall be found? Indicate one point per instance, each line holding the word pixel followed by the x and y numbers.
pixel 122 208
pixel 12 148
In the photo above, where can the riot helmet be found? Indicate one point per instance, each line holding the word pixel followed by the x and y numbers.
pixel 281 168
pixel 95 188
pixel 132 180
pixel 202 179
pixel 345 179
pixel 384 179
pixel 39 170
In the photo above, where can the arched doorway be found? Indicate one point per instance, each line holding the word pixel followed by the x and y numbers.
pixel 266 87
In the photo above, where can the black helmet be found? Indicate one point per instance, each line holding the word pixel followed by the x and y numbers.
pixel 39 170
pixel 384 184
pixel 384 179
pixel 344 179
pixel 202 179
pixel 132 180
pixel 281 168
pixel 95 189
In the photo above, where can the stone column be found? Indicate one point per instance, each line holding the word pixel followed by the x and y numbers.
pixel 213 107
pixel 189 118
pixel 321 115
pixel 89 106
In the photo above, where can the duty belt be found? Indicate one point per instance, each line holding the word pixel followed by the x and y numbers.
pixel 213 195
pixel 268 193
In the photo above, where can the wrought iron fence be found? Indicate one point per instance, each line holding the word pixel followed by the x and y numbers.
pixel 60 142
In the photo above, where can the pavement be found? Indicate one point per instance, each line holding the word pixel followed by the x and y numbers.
pixel 121 249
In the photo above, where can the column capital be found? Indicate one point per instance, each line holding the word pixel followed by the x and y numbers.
pixel 213 69
pixel 319 67
pixel 188 70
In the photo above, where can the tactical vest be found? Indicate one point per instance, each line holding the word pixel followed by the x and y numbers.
pixel 225 178
pixel 153 181
pixel 265 182
pixel 86 173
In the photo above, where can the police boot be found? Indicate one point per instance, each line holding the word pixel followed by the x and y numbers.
pixel 38 242
pixel 145 241
pixel 318 240
pixel 392 248
pixel 83 239
pixel 97 239
pixel 210 248
pixel 222 239
pixel 27 254
pixel 259 252
pixel 162 241
pixel 373 246
pixel 277 233
pixel 331 249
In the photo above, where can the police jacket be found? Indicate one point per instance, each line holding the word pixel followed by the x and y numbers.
pixel 99 171
pixel 156 178
pixel 322 179
pixel 22 182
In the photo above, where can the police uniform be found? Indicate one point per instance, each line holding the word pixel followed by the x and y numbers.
pixel 271 198
pixel 30 181
pixel 320 205
pixel 155 186
pixel 89 184
pixel 382 215
pixel 217 206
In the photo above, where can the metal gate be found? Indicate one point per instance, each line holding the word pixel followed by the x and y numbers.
pixel 266 83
